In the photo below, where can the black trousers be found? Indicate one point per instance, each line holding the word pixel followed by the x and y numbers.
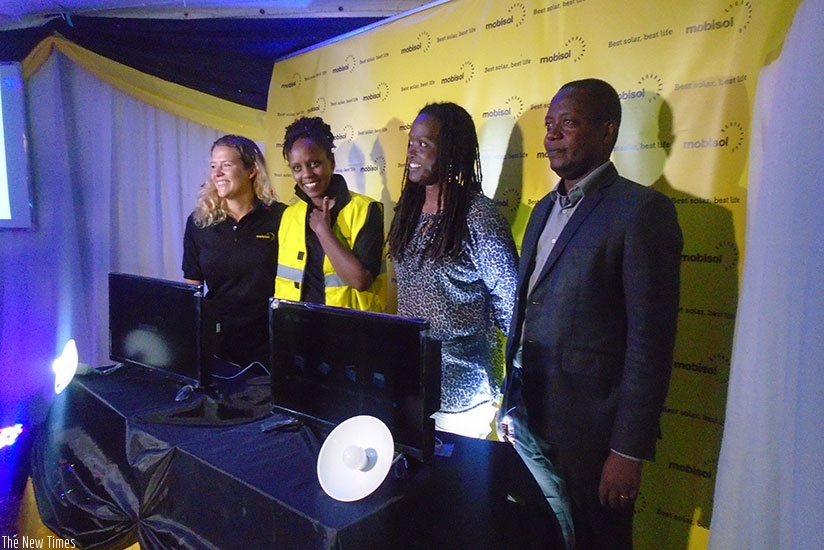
pixel 597 527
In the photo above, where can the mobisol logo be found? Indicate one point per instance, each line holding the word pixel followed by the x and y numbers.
pixel 514 108
pixel 651 87
pixel 379 166
pixel 421 44
pixel 516 105
pixel 706 471
pixel 743 11
pixel 464 74
pixel 729 254
pixel 294 82
pixel 734 133
pixel 711 25
pixel 578 48
pixel 381 93
pixel 319 107
pixel 516 14
pixel 508 198
pixel 574 49
pixel 347 66
pixel 738 14
pixel 732 138
pixel 720 363
pixel 347 135
pixel 716 365
pixel 724 255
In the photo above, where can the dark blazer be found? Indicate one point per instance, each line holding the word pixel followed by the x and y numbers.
pixel 599 326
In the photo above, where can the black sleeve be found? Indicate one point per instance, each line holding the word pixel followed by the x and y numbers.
pixel 191 252
pixel 369 244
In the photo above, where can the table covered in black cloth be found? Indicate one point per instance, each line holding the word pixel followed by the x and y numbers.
pixel 106 477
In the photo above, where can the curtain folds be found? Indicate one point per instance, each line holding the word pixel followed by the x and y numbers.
pixel 183 102
pixel 114 180
pixel 770 475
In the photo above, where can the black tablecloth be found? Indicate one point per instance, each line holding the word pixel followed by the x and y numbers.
pixel 105 476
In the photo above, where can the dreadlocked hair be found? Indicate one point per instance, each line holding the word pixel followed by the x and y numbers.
pixel 459 171
pixel 312 128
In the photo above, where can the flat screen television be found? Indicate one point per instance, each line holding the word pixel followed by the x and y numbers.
pixel 16 211
pixel 329 364
pixel 163 325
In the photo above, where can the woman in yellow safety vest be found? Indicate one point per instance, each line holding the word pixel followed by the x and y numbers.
pixel 331 239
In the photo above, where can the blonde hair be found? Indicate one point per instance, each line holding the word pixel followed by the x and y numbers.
pixel 210 209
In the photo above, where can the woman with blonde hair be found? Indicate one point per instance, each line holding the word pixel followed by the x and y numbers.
pixel 231 245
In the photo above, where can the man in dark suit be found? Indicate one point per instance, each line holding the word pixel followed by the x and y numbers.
pixel 590 348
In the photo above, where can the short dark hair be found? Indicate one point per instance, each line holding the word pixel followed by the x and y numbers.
pixel 605 105
pixel 312 128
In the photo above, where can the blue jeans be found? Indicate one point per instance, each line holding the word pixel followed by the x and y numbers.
pixel 541 467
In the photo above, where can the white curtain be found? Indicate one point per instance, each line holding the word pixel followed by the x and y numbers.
pixel 114 180
pixel 769 492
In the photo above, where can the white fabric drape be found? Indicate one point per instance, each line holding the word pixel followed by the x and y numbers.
pixel 114 180
pixel 770 487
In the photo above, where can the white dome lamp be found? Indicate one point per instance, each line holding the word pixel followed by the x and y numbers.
pixel 65 367
pixel 355 458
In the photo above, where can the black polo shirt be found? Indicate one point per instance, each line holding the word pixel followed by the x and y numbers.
pixel 238 262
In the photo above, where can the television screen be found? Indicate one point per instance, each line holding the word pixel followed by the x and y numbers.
pixel 162 325
pixel 329 364
pixel 15 181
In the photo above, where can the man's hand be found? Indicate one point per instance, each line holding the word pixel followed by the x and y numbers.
pixel 505 429
pixel 620 481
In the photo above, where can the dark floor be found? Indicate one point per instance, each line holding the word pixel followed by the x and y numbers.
pixel 9 508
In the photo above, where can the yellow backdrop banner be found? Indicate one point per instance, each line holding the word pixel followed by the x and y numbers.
pixel 686 73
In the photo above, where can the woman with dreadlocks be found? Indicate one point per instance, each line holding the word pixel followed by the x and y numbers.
pixel 331 239
pixel 455 263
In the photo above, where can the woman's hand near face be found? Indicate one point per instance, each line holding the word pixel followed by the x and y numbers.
pixel 320 218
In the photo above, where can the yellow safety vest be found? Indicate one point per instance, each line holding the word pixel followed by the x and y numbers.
pixel 292 257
